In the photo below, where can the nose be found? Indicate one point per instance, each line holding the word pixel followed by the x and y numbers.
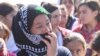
pixel 46 29
pixel 74 54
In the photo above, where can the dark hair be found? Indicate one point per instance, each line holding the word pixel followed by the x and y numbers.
pixel 5 8
pixel 93 6
pixel 19 5
pixel 42 3
pixel 50 7
pixel 96 41
pixel 72 1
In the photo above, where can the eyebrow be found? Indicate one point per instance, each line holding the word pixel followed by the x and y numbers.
pixel 38 24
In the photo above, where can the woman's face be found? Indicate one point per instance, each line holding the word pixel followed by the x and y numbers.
pixel 68 4
pixel 86 15
pixel 41 24
pixel 64 18
pixel 9 18
pixel 76 48
pixel 55 18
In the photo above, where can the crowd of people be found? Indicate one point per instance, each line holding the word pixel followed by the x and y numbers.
pixel 70 28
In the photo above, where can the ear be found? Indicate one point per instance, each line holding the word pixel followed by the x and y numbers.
pixel 96 13
pixel 1 18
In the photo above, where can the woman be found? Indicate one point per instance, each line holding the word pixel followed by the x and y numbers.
pixel 89 15
pixel 55 22
pixel 64 16
pixel 33 32
pixel 7 12
pixel 72 21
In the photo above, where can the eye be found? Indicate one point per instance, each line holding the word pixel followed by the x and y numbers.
pixel 40 26
pixel 47 23
pixel 84 12
pixel 55 16
pixel 64 16
pixel 78 51
pixel 71 51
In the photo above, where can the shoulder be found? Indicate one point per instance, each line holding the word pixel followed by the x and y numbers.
pixel 78 28
pixel 64 31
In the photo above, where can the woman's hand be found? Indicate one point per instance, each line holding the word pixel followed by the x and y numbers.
pixel 52 45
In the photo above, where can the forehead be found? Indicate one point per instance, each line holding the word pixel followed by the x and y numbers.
pixel 67 0
pixel 75 45
pixel 84 7
pixel 56 12
pixel 64 11
pixel 41 18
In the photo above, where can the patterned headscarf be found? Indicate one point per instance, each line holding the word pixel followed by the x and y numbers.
pixel 22 24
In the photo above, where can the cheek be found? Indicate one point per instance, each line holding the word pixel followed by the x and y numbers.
pixel 36 31
pixel 65 20
pixel 84 18
pixel 53 21
pixel 98 54
pixel 9 19
pixel 58 20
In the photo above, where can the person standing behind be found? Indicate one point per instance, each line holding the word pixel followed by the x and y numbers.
pixel 7 12
pixel 64 16
pixel 89 15
pixel 55 13
pixel 72 20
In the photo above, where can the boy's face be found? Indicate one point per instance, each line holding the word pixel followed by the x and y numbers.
pixel 76 48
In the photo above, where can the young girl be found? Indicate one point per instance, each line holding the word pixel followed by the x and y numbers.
pixel 72 20
pixel 64 16
pixel 55 22
pixel 89 15
pixel 7 12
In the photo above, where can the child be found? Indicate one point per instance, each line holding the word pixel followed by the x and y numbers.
pixel 76 43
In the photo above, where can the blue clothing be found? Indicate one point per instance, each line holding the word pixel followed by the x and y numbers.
pixel 70 22
pixel 63 51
